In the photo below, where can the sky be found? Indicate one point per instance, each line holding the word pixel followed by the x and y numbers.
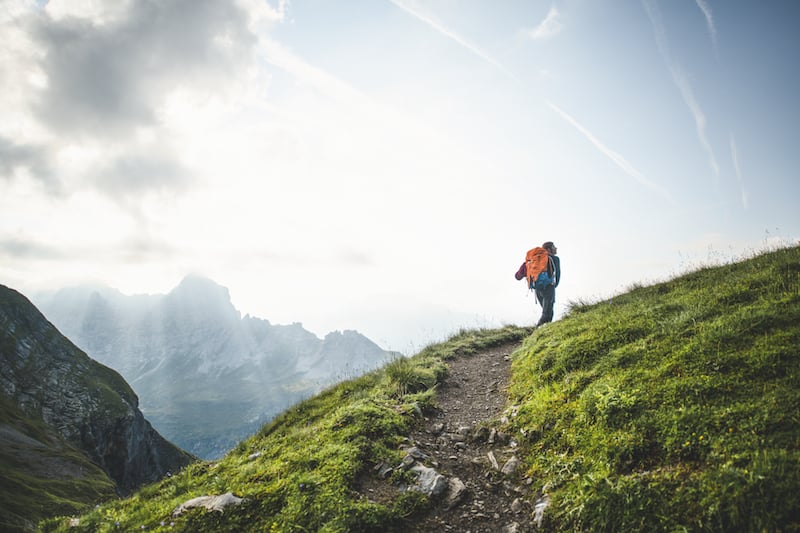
pixel 384 165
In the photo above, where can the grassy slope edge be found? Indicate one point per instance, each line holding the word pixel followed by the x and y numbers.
pixel 671 407
pixel 302 471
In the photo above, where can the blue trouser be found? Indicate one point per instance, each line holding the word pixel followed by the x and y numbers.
pixel 547 298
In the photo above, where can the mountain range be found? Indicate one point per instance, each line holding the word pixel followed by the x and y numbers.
pixel 71 432
pixel 206 376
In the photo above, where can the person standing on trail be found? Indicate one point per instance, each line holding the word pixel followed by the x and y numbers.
pixel 542 270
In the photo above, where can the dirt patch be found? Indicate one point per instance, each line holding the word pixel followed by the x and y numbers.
pixel 461 444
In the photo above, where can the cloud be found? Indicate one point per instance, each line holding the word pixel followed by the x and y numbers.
pixel 109 78
pixel 14 248
pixel 712 30
pixel 15 158
pixel 96 81
pixel 414 11
pixel 619 160
pixel 549 27
pixel 681 82
pixel 137 172
pixel 738 170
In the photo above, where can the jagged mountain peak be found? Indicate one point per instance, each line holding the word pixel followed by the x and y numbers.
pixel 207 376
pixel 199 296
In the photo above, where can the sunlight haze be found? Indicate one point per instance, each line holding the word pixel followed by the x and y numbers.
pixel 384 165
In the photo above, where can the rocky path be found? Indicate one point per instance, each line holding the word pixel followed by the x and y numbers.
pixel 486 491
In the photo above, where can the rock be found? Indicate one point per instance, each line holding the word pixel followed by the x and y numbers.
pixel 407 462
pixel 252 456
pixel 51 380
pixel 437 428
pixel 481 434
pixel 539 508
pixel 493 460
pixel 457 437
pixel 513 527
pixel 383 470
pixel 429 481
pixel 516 506
pixel 455 493
pixel 416 453
pixel 511 466
pixel 212 503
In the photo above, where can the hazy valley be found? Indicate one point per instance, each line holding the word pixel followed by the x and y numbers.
pixel 206 377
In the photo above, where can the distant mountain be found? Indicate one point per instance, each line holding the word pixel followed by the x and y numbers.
pixel 207 377
pixel 70 428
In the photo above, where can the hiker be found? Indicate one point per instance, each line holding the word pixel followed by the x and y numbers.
pixel 546 296
pixel 542 270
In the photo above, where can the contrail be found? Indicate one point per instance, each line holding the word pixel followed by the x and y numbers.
pixel 454 36
pixel 712 30
pixel 549 27
pixel 738 170
pixel 680 81
pixel 620 161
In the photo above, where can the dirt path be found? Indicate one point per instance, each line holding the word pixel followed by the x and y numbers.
pixel 460 445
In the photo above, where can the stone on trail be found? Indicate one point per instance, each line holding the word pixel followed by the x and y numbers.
pixel 429 481
pixel 456 492
pixel 511 466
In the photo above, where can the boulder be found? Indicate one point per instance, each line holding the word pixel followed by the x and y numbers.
pixel 212 503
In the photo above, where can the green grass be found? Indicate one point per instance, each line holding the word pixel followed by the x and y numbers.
pixel 31 487
pixel 313 458
pixel 672 407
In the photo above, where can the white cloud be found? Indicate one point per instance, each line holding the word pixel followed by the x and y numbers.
pixel 549 27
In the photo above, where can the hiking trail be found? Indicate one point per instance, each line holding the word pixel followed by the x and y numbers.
pixel 459 444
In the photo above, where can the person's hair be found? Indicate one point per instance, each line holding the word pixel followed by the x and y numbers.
pixel 548 245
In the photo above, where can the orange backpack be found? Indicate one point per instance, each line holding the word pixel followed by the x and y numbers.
pixel 538 268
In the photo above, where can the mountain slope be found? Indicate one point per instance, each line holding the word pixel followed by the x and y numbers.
pixel 206 376
pixel 671 407
pixel 70 427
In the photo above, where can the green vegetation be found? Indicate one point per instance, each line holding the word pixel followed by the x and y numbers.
pixel 302 472
pixel 672 407
pixel 39 480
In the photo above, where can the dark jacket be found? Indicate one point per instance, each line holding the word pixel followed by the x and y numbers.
pixel 556 268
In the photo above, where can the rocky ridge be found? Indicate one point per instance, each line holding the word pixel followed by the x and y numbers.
pixel 90 406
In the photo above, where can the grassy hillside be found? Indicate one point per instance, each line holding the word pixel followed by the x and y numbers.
pixel 40 474
pixel 671 407
pixel 308 469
